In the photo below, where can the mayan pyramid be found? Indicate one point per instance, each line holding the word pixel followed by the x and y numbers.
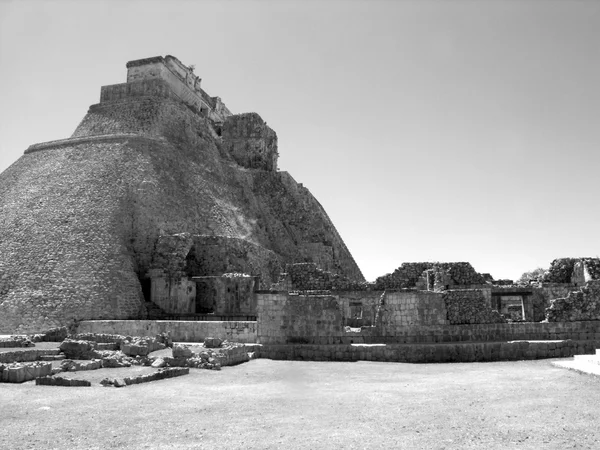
pixel 156 175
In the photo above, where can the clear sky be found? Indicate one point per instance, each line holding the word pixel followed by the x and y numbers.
pixel 429 130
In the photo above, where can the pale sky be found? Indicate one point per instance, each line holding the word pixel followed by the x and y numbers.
pixel 428 130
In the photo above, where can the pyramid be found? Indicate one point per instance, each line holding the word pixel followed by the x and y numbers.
pixel 157 176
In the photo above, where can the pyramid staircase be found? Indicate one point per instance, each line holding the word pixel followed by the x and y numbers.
pixel 589 364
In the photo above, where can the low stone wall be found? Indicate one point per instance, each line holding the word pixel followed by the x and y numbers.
pixel 496 332
pixel 446 274
pixel 180 331
pixel 26 355
pixel 432 353
pixel 61 381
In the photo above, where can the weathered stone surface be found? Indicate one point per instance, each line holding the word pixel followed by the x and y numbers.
pixel 78 349
pixel 24 371
pixel 212 342
pixel 181 351
pixel 583 304
pixel 469 306
pixel 445 275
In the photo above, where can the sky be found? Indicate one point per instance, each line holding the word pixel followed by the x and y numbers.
pixel 429 130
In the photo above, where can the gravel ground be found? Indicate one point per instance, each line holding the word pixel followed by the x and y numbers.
pixel 293 404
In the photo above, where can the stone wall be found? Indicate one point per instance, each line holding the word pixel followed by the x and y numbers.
pixel 469 306
pixel 229 294
pixel 583 304
pixel 283 318
pixel 250 141
pixel 446 275
pixel 403 309
pixel 436 353
pixel 309 277
pixel 180 331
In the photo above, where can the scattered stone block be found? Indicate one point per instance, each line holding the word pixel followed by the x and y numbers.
pixel 211 342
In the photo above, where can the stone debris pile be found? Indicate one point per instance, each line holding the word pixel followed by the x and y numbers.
pixel 61 381
pixel 161 374
pixel 68 365
pixel 209 357
pixel 16 341
pixel 52 335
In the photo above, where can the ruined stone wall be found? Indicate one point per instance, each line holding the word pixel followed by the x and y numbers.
pixel 179 330
pixel 230 294
pixel 562 269
pixel 408 275
pixel 283 318
pixel 216 255
pixel 250 141
pixel 316 318
pixel 309 277
pixel 583 304
pixel 174 295
pixel 543 294
pixel 411 308
pixel 430 353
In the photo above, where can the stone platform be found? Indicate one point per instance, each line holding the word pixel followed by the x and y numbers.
pixel 428 353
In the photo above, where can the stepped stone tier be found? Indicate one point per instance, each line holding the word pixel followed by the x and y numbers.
pixel 158 178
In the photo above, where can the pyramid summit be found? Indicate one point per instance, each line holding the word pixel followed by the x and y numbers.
pixel 159 190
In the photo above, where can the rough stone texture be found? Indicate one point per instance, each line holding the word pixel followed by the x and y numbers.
pixel 564 270
pixel 407 309
pixel 80 220
pixel 431 353
pixel 161 374
pixel 68 365
pixel 309 277
pixel 583 304
pixel 28 355
pixel 16 341
pixel 21 372
pixel 284 318
pixel 250 141
pixel 79 349
pixel 61 381
pixel 229 294
pixel 409 275
pixel 469 306
pixel 180 330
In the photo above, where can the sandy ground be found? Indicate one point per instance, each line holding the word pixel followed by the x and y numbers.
pixel 293 404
